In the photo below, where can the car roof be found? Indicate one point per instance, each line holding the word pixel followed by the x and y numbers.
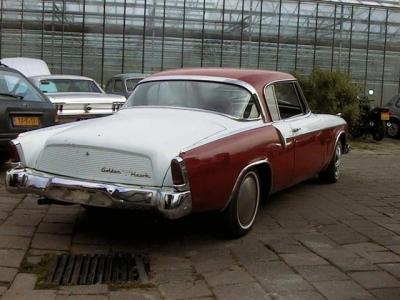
pixel 61 76
pixel 130 75
pixel 255 78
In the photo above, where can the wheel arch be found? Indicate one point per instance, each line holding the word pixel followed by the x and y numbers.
pixel 264 171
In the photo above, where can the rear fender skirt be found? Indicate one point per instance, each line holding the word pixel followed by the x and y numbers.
pixel 242 173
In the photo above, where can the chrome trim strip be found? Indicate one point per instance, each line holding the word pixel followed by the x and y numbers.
pixel 169 202
pixel 227 80
pixel 240 176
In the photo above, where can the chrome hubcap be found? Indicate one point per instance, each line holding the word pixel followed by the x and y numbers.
pixel 248 199
pixel 338 156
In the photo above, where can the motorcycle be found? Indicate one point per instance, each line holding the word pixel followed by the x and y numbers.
pixel 372 121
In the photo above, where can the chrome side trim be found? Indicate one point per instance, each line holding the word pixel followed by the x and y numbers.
pixel 170 203
pixel 240 176
pixel 226 80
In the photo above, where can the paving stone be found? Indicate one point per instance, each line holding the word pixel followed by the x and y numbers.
pixel 240 291
pixel 269 269
pixel 285 282
pixel 16 230
pixel 177 275
pixel 213 260
pixel 11 257
pixel 395 249
pixel 353 264
pixel 170 263
pixel 14 242
pixel 51 241
pixel 2 290
pixel 56 228
pixel 375 279
pixel 321 273
pixel 303 259
pixel 84 289
pixel 298 295
pixel 81 297
pixel 387 294
pixel 232 275
pixel 342 290
pixel 364 247
pixel 135 295
pixel 29 295
pixel 394 268
pixel 7 274
pixel 24 219
pixel 60 218
pixel 24 281
pixel 381 257
pixel 90 249
pixel 184 290
pixel 252 251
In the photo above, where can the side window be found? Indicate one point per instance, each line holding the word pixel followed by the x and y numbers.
pixel 109 86
pixel 271 103
pixel 288 100
pixel 118 87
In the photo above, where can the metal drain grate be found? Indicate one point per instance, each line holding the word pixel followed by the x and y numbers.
pixel 92 269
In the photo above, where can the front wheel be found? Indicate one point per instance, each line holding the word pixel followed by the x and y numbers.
pixel 239 216
pixel 332 173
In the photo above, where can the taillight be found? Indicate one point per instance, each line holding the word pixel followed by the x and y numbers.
pixel 14 155
pixel 179 173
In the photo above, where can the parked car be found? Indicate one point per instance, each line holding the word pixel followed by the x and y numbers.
pixel 77 97
pixel 393 125
pixel 192 140
pixel 22 107
pixel 123 84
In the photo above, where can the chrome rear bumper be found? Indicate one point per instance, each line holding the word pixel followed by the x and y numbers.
pixel 170 203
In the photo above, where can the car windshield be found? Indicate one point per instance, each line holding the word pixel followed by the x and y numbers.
pixel 223 98
pixel 68 86
pixel 15 87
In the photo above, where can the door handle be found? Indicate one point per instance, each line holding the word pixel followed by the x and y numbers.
pixel 294 130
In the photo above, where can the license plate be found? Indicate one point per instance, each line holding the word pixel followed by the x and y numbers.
pixel 79 196
pixel 385 116
pixel 26 121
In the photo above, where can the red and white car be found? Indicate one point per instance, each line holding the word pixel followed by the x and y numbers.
pixel 192 140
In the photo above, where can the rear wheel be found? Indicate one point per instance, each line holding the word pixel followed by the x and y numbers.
pixel 239 216
pixel 332 173
pixel 393 130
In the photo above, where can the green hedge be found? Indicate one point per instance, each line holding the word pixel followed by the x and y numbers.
pixel 331 93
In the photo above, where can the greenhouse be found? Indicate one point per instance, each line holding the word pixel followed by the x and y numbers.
pixel 100 38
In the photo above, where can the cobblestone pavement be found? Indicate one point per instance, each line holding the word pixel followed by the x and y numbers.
pixel 312 241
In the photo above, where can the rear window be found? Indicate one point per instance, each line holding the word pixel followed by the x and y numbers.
pixel 227 99
pixel 68 86
pixel 14 86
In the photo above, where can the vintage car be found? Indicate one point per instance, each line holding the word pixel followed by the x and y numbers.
pixel 192 140
pixel 22 107
pixel 124 84
pixel 77 97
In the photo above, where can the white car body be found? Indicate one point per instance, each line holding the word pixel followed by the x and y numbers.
pixel 73 106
